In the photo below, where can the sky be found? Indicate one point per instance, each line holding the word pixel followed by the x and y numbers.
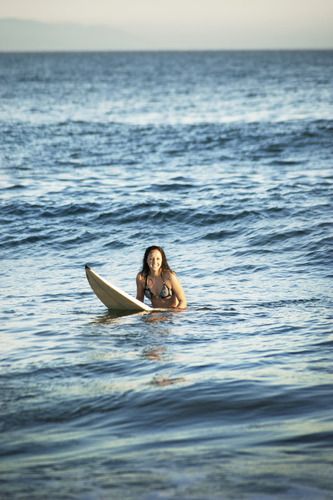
pixel 216 24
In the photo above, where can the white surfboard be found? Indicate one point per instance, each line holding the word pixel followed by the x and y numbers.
pixel 114 298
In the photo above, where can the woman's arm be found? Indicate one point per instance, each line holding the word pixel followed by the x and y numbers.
pixel 140 287
pixel 178 291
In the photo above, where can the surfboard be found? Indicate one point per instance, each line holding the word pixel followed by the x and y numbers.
pixel 113 297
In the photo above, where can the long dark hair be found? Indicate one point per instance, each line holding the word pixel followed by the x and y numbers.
pixel 164 267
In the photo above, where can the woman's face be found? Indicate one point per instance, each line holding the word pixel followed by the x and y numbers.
pixel 154 260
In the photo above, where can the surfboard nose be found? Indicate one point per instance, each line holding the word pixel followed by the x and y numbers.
pixel 86 266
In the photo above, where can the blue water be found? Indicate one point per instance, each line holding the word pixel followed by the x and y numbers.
pixel 224 159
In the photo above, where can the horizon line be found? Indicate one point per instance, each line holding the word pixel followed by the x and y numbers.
pixel 96 51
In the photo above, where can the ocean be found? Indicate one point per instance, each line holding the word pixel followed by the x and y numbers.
pixel 225 160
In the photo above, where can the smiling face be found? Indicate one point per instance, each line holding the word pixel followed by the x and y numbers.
pixel 154 261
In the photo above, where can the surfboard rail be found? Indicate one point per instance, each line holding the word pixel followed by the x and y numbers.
pixel 113 297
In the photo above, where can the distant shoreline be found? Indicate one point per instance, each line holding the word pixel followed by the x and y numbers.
pixel 28 35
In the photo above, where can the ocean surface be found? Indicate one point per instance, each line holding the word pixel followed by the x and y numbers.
pixel 225 159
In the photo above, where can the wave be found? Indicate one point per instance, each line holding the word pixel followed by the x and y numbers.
pixel 268 143
pixel 181 403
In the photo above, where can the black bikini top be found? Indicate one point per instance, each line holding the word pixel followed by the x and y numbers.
pixel 165 292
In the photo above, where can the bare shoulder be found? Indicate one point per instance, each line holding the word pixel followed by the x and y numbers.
pixel 171 275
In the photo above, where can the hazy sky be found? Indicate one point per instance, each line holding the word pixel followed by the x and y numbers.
pixel 195 23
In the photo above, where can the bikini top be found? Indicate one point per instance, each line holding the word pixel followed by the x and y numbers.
pixel 165 292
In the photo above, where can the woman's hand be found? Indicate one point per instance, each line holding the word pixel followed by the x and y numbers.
pixel 140 287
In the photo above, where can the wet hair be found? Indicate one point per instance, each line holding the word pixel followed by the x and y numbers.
pixel 145 268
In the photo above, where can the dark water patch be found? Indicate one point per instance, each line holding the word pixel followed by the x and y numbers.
pixel 325 343
pixel 282 162
pixel 274 148
pixel 132 212
pixel 170 187
pixel 155 216
pixel 289 302
pixel 278 237
pixel 219 235
pixel 13 187
pixel 13 242
pixel 16 209
pixel 322 366
pixel 320 252
pixel 72 209
pixel 325 242
pixel 245 268
pixel 249 252
pixel 218 215
pixel 23 210
pixel 317 440
pixel 75 239
pixel 116 243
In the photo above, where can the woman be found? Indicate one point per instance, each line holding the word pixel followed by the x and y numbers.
pixel 158 282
